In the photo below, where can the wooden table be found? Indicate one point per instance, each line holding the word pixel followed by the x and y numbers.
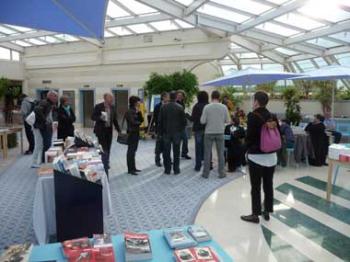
pixel 333 165
pixel 4 132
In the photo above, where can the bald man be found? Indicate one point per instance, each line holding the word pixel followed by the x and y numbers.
pixel 105 117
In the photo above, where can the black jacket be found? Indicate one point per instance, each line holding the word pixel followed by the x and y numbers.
pixel 42 110
pixel 171 119
pixel 65 123
pixel 254 125
pixel 196 117
pixel 100 125
pixel 134 120
pixel 156 112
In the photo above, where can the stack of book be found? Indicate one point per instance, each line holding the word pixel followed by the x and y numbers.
pixel 137 247
pixel 179 238
pixel 82 249
pixel 199 233
pixel 196 254
pixel 17 253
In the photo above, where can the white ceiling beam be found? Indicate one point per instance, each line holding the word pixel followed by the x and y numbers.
pixel 194 6
pixel 123 7
pixel 25 35
pixel 299 57
pixel 95 42
pixel 137 20
pixel 337 50
pixel 339 27
pixel 271 15
pixel 164 7
pixel 12 46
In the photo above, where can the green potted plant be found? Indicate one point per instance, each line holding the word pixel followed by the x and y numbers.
pixel 324 93
pixel 291 97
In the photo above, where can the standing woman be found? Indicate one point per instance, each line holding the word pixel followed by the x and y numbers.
pixel 66 118
pixel 133 119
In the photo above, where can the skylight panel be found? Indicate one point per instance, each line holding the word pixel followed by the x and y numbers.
pixel 323 42
pixel 5 53
pixel 246 5
pixel 286 51
pixel 320 62
pixel 273 67
pixel 278 2
pixel 21 28
pixel 277 29
pixel 137 7
pixel 185 2
pixel 120 30
pixel 21 43
pixel 115 11
pixel 306 65
pixel 67 38
pixel 343 36
pixel 229 69
pixel 166 25
pixel 140 28
pixel 108 34
pixel 234 46
pixel 50 39
pixel 183 24
pixel 6 31
pixel 223 13
pixel 247 55
pixel 35 41
pixel 328 10
pixel 344 59
pixel 299 21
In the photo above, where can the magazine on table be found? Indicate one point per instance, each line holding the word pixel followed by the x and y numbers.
pixel 196 254
pixel 199 233
pixel 179 238
pixel 137 247
pixel 17 253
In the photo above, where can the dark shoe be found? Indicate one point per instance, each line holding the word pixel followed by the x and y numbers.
pixel 137 170
pixel 266 216
pixel 158 164
pixel 222 176
pixel 28 152
pixel 166 173
pixel 186 157
pixel 206 177
pixel 231 170
pixel 176 172
pixel 133 173
pixel 251 219
pixel 197 169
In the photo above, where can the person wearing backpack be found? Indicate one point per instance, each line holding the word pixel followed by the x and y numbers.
pixel 263 141
pixel 27 106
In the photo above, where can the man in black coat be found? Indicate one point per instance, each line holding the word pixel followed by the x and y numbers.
pixel 172 123
pixel 105 117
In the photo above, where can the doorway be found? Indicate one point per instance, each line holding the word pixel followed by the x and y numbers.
pixel 121 98
pixel 87 101
pixel 71 97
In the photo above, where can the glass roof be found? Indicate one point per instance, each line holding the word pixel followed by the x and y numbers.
pixel 308 28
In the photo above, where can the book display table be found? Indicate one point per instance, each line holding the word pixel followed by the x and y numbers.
pixel 44 212
pixel 160 249
pixel 4 131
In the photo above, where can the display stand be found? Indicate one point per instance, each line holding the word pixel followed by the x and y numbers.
pixel 79 207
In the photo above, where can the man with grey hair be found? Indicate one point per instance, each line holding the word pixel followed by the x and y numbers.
pixel 105 117
pixel 43 127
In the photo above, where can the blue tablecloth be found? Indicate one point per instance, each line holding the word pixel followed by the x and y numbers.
pixel 160 249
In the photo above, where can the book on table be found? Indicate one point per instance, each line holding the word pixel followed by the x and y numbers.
pixel 199 233
pixel 17 253
pixel 179 238
pixel 137 247
pixel 196 254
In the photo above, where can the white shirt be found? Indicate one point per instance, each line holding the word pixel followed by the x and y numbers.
pixel 267 160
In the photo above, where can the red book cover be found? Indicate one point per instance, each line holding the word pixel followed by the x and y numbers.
pixel 196 254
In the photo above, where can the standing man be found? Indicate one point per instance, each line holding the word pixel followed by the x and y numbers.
pixel 172 122
pixel 27 106
pixel 105 117
pixel 331 126
pixel 159 142
pixel 214 117
pixel 180 99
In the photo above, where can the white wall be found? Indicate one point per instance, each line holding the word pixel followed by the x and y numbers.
pixel 126 61
pixel 13 70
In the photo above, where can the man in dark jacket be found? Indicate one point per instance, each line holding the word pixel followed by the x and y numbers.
pixel 43 119
pixel 180 99
pixel 27 106
pixel 105 117
pixel 159 142
pixel 172 122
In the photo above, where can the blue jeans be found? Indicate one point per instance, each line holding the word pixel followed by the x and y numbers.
pixel 199 147
pixel 184 139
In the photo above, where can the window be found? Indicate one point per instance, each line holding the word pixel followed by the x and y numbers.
pixel 137 7
pixel 229 69
pixel 140 28
pixel 299 21
pixel 5 53
pixel 120 30
pixel 277 29
pixel 344 59
pixel 273 67
pixel 223 13
pixel 15 56
pixel 50 39
pixel 185 2
pixel 164 25
pixel 343 36
pixel 108 34
pixel 183 24
pixel 320 62
pixel 245 5
pixel 286 51
pixel 115 11
pixel 306 65
pixel 35 41
pixel 22 43
pixel 67 38
pixel 6 30
pixel 323 42
pixel 247 55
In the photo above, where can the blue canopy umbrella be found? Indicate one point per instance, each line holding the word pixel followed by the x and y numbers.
pixel 250 76
pixel 76 17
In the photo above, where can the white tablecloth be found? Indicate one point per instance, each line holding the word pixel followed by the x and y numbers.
pixel 44 213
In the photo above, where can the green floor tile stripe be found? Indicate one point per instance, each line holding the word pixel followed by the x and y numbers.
pixel 331 240
pixel 282 250
pixel 322 185
pixel 330 208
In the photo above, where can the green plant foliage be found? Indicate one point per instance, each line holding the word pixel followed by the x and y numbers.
pixel 4 85
pixel 231 93
pixel 291 99
pixel 344 94
pixel 324 93
pixel 183 80
pixel 267 87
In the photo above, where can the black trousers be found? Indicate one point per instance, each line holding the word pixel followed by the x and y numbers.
pixel 105 141
pixel 172 141
pixel 29 135
pixel 133 142
pixel 159 148
pixel 184 139
pixel 47 140
pixel 257 175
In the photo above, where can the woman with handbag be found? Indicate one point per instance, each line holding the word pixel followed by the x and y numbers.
pixel 134 120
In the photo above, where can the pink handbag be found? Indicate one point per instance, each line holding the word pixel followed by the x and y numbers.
pixel 270 138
